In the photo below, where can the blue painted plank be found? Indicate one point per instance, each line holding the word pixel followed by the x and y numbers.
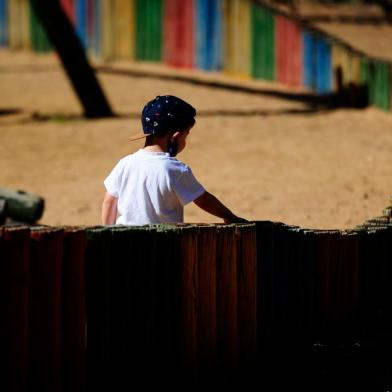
pixel 217 34
pixel 208 34
pixel 309 60
pixel 94 39
pixel 81 21
pixel 3 23
pixel 200 34
pixel 324 66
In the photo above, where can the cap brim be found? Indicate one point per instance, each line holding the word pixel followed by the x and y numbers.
pixel 137 137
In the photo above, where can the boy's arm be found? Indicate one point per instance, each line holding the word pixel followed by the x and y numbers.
pixel 212 205
pixel 109 209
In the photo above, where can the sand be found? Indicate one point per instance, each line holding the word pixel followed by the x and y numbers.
pixel 265 157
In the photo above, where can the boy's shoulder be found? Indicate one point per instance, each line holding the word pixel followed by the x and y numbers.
pixel 161 159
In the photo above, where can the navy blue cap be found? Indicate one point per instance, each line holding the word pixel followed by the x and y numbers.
pixel 166 113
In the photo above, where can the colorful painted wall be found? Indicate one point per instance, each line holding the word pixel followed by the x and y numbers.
pixel 239 37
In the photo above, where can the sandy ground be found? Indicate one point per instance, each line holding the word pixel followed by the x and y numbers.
pixel 266 157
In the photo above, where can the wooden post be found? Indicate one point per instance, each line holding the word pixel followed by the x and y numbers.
pixel 265 284
pixel 227 306
pixel 296 286
pixel 281 285
pixel 14 302
pixel 207 303
pixel 247 298
pixel 73 310
pixel 97 280
pixel 189 293
pixel 45 309
pixel 309 285
pixel 349 291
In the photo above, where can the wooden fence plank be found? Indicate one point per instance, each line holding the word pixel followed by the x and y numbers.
pixel 124 29
pixel 19 33
pixel 263 43
pixel 97 296
pixel 73 310
pixel 281 285
pixel 265 283
pixel 247 298
pixel 45 309
pixel 208 35
pixel 207 303
pixel 14 302
pixel 150 32
pixel 4 36
pixel 227 306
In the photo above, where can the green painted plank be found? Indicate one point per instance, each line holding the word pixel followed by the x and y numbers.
pixel 39 39
pixel 263 43
pixel 149 25
pixel 377 77
pixel 383 85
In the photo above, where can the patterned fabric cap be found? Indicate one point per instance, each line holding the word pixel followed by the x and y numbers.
pixel 167 113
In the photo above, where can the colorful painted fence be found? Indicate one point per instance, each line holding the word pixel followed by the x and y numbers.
pixel 240 37
pixel 92 308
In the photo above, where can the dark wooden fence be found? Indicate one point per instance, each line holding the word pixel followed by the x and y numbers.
pixel 93 308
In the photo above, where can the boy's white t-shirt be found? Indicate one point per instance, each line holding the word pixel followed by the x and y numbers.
pixel 152 187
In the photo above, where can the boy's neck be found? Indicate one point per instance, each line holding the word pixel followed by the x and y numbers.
pixel 154 148
pixel 157 144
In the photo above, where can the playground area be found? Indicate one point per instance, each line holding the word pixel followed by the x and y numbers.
pixel 267 157
pixel 261 306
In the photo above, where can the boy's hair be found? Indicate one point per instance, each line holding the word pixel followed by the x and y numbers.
pixel 166 113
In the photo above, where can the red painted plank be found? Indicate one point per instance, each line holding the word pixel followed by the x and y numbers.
pixel 288 52
pixel 281 49
pixel 294 75
pixel 178 33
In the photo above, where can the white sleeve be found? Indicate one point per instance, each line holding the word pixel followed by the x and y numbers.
pixel 187 188
pixel 113 181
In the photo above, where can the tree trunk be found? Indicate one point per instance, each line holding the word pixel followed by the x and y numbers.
pixel 62 36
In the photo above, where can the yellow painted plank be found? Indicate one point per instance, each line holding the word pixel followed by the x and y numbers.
pixel 124 29
pixel 356 69
pixel 19 24
pixel 107 29
pixel 341 58
pixel 227 12
pixel 244 27
pixel 236 16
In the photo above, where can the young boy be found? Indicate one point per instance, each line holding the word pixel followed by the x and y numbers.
pixel 151 185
